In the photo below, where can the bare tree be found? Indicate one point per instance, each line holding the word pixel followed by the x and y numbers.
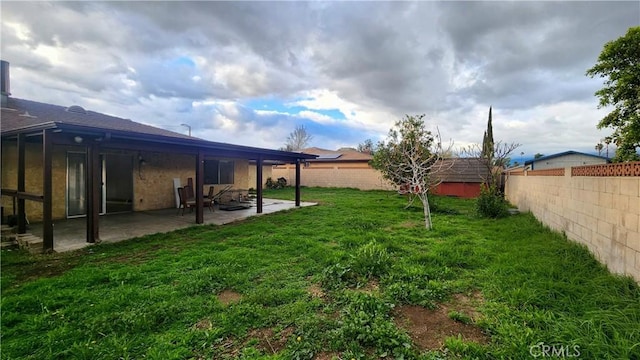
pixel 298 139
pixel 367 147
pixel 494 161
pixel 412 159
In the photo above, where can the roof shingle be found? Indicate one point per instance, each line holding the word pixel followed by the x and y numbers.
pixel 20 114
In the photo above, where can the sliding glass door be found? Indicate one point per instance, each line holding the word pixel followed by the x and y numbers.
pixel 77 184
pixel 116 183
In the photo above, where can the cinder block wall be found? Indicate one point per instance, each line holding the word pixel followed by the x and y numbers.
pixel 601 212
pixel 358 176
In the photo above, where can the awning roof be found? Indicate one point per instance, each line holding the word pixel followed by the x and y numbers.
pixel 30 117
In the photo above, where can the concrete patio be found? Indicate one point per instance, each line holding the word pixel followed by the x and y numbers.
pixel 70 234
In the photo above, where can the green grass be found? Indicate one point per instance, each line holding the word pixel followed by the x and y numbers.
pixel 149 297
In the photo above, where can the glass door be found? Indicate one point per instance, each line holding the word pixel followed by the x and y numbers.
pixel 77 187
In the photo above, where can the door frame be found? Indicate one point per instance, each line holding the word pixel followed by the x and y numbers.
pixel 103 186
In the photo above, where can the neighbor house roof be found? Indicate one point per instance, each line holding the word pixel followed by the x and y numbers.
pixel 341 155
pixel 464 170
pixel 25 116
pixel 570 152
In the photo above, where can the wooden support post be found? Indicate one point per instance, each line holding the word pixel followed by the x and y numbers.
pixel 259 185
pixel 47 190
pixel 199 185
pixel 297 182
pixel 22 224
pixel 94 184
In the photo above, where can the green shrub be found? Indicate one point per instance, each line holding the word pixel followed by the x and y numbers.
pixel 491 203
pixel 281 183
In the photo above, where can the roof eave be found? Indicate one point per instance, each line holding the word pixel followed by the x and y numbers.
pixel 250 152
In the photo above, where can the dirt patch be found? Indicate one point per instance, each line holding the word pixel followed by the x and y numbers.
pixel 369 288
pixel 429 328
pixel 467 304
pixel 326 356
pixel 315 291
pixel 264 339
pixel 268 341
pixel 410 224
pixel 204 324
pixel 227 297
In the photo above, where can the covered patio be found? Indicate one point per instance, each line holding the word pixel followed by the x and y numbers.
pixel 60 162
pixel 70 234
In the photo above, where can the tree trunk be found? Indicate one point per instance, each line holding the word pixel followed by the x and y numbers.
pixel 427 211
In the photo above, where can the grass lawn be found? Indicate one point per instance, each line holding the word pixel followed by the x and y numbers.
pixel 357 277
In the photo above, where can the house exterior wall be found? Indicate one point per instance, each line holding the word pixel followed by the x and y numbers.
pixel 152 182
pixel 567 160
pixel 266 173
pixel 357 175
pixel 33 177
pixel 599 211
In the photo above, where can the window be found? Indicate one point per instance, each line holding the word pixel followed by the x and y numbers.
pixel 218 171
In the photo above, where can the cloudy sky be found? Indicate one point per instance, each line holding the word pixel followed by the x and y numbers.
pixel 250 72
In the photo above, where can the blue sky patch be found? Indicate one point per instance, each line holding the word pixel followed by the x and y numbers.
pixel 282 107
pixel 183 61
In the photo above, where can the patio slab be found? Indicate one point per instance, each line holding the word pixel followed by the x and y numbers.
pixel 70 234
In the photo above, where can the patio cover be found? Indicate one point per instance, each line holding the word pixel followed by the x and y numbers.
pixel 29 121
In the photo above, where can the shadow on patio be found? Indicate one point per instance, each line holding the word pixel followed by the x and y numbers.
pixel 70 234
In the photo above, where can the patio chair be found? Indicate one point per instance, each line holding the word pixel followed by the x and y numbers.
pixel 209 200
pixel 184 201
pixel 217 197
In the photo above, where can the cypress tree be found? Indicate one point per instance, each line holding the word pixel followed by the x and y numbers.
pixel 487 141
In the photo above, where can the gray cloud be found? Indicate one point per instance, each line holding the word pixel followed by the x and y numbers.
pixel 152 61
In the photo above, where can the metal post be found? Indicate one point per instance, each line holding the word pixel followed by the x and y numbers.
pixel 259 185
pixel 199 185
pixel 94 184
pixel 22 224
pixel 47 190
pixel 297 182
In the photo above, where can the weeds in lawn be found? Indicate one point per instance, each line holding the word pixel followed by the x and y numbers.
pixel 458 316
pixel 371 260
pixel 318 282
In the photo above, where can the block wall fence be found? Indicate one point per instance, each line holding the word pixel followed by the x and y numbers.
pixel 595 205
pixel 358 176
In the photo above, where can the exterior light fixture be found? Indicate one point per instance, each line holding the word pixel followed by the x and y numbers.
pixel 78 139
pixel 188 127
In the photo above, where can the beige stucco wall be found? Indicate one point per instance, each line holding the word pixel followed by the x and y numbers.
pixel 567 160
pixel 600 212
pixel 352 175
pixel 152 182
pixel 253 181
